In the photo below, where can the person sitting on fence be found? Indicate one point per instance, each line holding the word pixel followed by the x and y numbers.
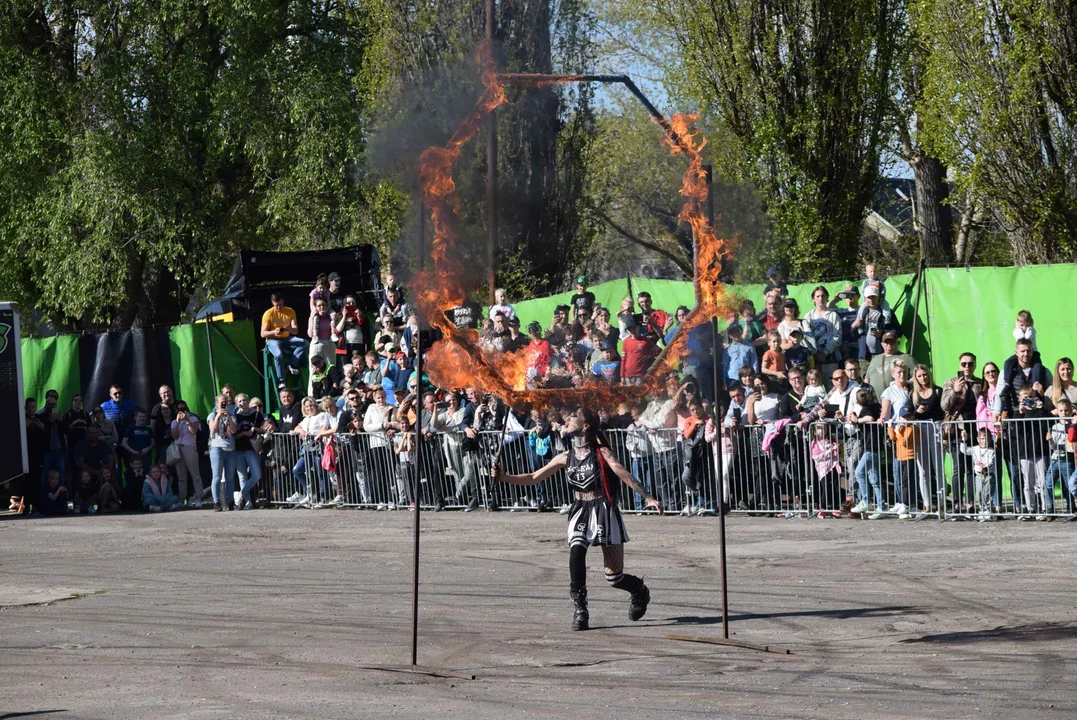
pixel 983 468
pixel 157 495
pixel 1028 433
pixel 281 334
pixel 56 495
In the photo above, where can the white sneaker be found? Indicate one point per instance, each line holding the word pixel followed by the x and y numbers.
pixel 391 506
pixel 516 507
pixel 900 509
pixel 381 506
pixel 860 507
pixel 875 516
pixel 237 497
pixel 293 370
pixel 296 498
pixel 702 511
pixel 533 503
pixel 338 500
pixel 686 511
pixel 563 510
pixel 904 516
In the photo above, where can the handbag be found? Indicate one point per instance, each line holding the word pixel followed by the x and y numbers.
pixel 172 454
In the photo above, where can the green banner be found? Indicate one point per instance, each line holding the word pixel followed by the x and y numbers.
pixel 51 364
pixel 973 310
pixel 193 372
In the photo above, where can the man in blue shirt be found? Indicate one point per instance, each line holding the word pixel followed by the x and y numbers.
pixel 609 367
pixel 738 354
pixel 118 410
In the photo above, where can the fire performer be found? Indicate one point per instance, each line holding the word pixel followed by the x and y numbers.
pixel 595 518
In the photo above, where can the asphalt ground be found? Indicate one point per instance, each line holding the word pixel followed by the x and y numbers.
pixel 306 614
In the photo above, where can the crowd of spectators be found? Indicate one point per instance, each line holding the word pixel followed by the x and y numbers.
pixel 830 381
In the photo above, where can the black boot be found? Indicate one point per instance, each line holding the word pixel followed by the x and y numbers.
pixel 580 615
pixel 637 606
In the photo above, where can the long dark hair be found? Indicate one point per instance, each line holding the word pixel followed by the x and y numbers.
pixel 596 440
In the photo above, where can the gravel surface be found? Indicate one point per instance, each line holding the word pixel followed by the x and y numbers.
pixel 286 614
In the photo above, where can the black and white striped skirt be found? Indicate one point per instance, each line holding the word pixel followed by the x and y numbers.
pixel 595 522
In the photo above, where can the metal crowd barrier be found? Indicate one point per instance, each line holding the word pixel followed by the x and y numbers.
pixel 901 469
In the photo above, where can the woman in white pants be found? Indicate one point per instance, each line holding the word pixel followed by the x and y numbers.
pixel 185 437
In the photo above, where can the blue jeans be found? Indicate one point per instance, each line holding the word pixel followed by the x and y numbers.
pixel 300 471
pixel 290 349
pixel 222 463
pixel 249 469
pixel 1071 482
pixel 642 471
pixel 1061 467
pixel 867 470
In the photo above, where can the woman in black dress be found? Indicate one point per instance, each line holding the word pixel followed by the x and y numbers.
pixel 594 517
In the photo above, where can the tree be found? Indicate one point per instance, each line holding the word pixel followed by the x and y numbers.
pixel 144 143
pixel 802 86
pixel 1000 109
pixel 544 133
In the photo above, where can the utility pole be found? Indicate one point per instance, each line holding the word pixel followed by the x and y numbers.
pixel 491 165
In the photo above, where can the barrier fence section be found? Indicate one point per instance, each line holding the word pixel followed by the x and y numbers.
pixel 1016 467
pixel 1020 468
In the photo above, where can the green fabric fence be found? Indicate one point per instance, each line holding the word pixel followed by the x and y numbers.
pixel 960 310
pixel 51 364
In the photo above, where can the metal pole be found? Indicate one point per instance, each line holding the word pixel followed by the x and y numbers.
pixel 212 366
pixel 916 305
pixel 491 166
pixel 720 472
pixel 416 493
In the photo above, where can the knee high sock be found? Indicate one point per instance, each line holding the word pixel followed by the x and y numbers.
pixel 577 568
pixel 624 581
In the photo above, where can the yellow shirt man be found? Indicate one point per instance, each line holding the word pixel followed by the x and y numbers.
pixel 277 322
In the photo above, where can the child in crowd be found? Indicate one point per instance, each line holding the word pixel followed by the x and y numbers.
pixel 500 306
pixel 1061 447
pixel 738 355
pixel 753 329
pixel 86 493
pixel 983 468
pixel 906 436
pixel 774 359
pixel 814 392
pixel 157 495
pixel 824 455
pixel 320 291
pixel 1030 450
pixel 1024 328
pixel 108 495
pixel 797 354
pixel 609 367
pixel 138 438
pixel 55 495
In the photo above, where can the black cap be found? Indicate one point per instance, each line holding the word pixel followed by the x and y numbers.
pixel 334 275
pixel 514 322
pixel 789 302
pixel 773 270
pixel 608 345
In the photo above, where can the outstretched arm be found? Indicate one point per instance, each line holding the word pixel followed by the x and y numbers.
pixel 627 479
pixel 534 478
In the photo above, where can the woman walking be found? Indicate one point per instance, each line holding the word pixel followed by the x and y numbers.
pixel 594 518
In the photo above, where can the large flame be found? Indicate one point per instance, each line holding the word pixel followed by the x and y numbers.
pixel 459 360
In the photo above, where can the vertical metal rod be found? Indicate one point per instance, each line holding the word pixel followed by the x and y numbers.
pixel 491 165
pixel 720 472
pixel 916 305
pixel 212 365
pixel 418 449
pixel 417 446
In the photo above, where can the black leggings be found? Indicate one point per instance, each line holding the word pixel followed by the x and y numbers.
pixel 613 557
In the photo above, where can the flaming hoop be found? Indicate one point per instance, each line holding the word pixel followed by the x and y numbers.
pixel 458 360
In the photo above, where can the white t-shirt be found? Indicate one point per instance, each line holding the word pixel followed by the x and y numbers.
pixel 505 310
pixel 766 408
pixel 900 401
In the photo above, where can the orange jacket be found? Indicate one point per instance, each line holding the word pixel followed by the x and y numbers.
pixel 906 437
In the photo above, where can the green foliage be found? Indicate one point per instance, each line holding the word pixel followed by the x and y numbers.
pixel 1000 108
pixel 143 144
pixel 802 86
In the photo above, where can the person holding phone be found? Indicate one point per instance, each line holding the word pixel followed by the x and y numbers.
pixel 222 455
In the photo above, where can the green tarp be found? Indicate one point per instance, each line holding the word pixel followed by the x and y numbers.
pixel 961 310
pixel 51 364
pixel 193 372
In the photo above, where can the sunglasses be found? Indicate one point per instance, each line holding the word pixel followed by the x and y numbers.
pixel 968 364
pixel 838 377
